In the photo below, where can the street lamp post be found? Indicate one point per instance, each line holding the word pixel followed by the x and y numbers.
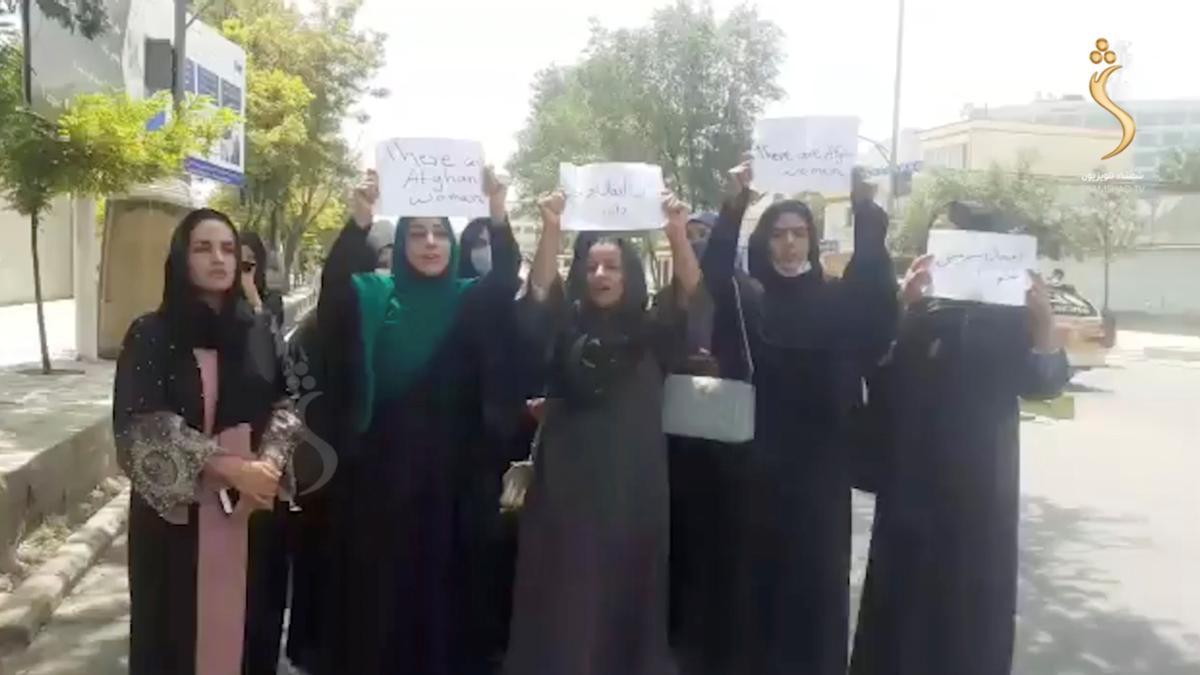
pixel 892 169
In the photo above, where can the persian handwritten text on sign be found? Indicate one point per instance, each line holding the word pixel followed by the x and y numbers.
pixel 805 154
pixel 612 197
pixel 982 266
pixel 430 177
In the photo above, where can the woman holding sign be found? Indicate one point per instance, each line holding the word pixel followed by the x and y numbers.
pixel 807 337
pixel 591 588
pixel 940 595
pixel 421 383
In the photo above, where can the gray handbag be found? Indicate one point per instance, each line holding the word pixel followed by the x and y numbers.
pixel 712 408
pixel 518 478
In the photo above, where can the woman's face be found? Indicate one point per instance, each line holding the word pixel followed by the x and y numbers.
pixel 790 244
pixel 212 254
pixel 384 261
pixel 427 246
pixel 605 275
pixel 249 260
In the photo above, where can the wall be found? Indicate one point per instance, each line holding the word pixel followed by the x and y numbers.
pixel 1058 153
pixel 1155 281
pixel 55 246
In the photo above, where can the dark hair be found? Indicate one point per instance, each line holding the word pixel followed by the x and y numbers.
pixel 759 252
pixel 470 237
pixel 181 303
pixel 255 243
pixel 633 300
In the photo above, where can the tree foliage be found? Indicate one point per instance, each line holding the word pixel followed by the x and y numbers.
pixel 683 92
pixel 1032 201
pixel 306 72
pixel 1181 167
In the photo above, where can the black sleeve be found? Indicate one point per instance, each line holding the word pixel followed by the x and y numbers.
pixel 160 453
pixel 868 295
pixel 720 256
pixel 1043 376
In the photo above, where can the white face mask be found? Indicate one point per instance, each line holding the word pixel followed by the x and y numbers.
pixel 481 258
pixel 803 269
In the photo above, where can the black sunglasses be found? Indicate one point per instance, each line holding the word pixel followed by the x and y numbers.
pixel 248 266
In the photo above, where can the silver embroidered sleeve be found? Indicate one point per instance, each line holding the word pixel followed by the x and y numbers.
pixel 166 457
pixel 281 437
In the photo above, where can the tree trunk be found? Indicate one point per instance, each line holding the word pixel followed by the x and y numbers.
pixel 37 293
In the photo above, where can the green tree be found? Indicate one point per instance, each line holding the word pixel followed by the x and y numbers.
pixel 1106 224
pixel 1031 200
pixel 1181 167
pixel 306 73
pixel 99 145
pixel 682 92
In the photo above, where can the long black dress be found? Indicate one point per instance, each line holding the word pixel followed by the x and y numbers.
pixel 404 496
pixel 318 381
pixel 940 594
pixel 808 337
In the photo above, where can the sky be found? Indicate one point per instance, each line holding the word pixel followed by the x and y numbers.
pixel 462 68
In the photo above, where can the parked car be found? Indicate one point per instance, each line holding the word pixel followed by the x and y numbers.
pixel 1087 334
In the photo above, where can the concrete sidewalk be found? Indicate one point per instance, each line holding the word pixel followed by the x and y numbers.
pixel 19 342
pixel 55 442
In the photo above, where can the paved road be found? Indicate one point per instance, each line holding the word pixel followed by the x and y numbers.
pixel 1110 541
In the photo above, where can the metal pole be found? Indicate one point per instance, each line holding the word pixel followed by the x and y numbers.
pixel 181 24
pixel 27 57
pixel 892 169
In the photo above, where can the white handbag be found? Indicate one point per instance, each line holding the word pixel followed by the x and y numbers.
pixel 713 408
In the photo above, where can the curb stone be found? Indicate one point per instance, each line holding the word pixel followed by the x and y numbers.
pixel 32 603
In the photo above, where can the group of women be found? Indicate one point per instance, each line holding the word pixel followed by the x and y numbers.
pixel 637 553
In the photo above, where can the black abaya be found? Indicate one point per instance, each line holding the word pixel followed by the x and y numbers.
pixel 940 594
pixel 808 337
pixel 407 499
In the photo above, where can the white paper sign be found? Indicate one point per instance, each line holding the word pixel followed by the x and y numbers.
pixel 805 154
pixel 612 197
pixel 982 266
pixel 430 177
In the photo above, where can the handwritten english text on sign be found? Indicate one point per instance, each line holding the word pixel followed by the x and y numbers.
pixel 982 266
pixel 612 196
pixel 422 177
pixel 805 154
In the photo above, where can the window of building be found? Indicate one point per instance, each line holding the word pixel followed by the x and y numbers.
pixel 1147 140
pixel 1145 159
pixel 1149 119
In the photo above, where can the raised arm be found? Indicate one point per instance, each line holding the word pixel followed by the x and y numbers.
pixel 869 283
pixel 686 266
pixel 720 257
pixel 544 273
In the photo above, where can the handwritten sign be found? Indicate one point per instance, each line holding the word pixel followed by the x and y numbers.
pixel 805 154
pixel 612 196
pixel 982 266
pixel 430 177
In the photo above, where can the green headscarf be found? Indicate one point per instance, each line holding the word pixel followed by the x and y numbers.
pixel 403 318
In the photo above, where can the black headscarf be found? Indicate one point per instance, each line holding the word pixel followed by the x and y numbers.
pixel 242 394
pixel 255 243
pixel 600 347
pixel 470 239
pixel 793 308
pixel 989 336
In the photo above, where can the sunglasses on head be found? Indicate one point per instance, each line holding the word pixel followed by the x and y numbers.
pixel 248 266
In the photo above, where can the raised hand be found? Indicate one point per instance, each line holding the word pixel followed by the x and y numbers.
pixel 551 206
pixel 677 214
pixel 916 281
pixel 496 192
pixel 1041 314
pixel 366 193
